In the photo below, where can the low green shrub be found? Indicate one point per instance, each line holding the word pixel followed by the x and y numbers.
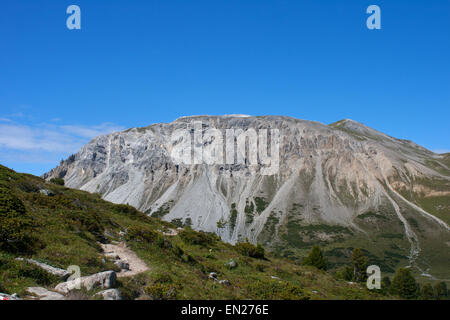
pixel 276 290
pixel 58 181
pixel 162 288
pixel 141 234
pixel 248 249
pixel 15 224
pixel 125 209
pixel 198 238
pixel 22 270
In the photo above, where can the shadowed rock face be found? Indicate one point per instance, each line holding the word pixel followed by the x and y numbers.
pixel 343 183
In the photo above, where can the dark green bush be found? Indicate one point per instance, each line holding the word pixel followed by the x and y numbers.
pixel 248 249
pixel 260 267
pixel 198 238
pixel 141 234
pixel 126 209
pixel 161 291
pixel 58 181
pixel 162 288
pixel 177 251
pixel 85 221
pixel 15 224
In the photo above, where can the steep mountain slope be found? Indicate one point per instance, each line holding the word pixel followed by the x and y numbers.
pixel 339 185
pixel 63 227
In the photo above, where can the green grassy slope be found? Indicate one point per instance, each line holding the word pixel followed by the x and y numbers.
pixel 65 229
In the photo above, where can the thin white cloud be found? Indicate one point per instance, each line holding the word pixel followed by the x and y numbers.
pixel 89 132
pixel 50 137
pixel 5 120
pixel 441 151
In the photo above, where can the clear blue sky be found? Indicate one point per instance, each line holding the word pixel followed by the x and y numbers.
pixel 135 63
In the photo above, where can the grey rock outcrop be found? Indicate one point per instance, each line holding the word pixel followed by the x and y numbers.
pixel 231 264
pixel 104 280
pixel 122 264
pixel 109 294
pixel 47 192
pixel 61 273
pixel 4 296
pixel 225 282
pixel 213 275
pixel 44 294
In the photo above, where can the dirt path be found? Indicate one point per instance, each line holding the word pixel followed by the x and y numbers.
pixel 137 265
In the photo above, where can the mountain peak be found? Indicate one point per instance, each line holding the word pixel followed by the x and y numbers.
pixel 331 184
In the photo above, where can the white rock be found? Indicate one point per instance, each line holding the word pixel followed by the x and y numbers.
pixel 47 192
pixel 231 264
pixel 44 294
pixel 103 280
pixel 4 296
pixel 110 294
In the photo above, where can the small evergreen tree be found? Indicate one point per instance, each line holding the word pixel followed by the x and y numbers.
pixel 404 284
pixel 385 284
pixel 427 292
pixel 441 291
pixel 316 259
pixel 347 273
pixel 359 265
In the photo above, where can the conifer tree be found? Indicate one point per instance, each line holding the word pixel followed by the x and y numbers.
pixel 441 291
pixel 316 259
pixel 404 284
pixel 359 265
pixel 427 292
pixel 385 284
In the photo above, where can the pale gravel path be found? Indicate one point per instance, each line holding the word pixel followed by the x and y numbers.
pixel 137 265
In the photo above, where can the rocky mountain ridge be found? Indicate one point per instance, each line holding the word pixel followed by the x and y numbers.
pixel 337 185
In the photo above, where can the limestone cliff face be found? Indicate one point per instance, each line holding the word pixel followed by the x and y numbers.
pixel 335 183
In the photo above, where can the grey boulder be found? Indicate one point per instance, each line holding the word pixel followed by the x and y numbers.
pixel 44 294
pixel 231 264
pixel 104 280
pixel 109 294
pixel 122 264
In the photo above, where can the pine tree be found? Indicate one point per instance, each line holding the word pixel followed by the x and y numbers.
pixel 441 290
pixel 347 273
pixel 385 284
pixel 359 265
pixel 316 259
pixel 404 284
pixel 427 292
